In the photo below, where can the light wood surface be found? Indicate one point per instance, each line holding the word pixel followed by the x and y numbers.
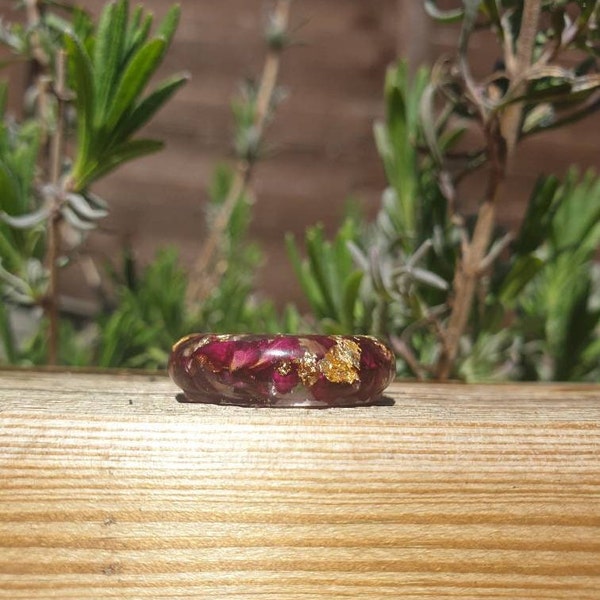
pixel 110 488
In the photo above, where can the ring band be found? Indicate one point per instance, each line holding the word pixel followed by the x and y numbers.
pixel 317 371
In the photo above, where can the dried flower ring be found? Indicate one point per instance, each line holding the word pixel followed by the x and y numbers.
pixel 282 370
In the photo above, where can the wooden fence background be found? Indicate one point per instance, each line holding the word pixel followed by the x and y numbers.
pixel 323 150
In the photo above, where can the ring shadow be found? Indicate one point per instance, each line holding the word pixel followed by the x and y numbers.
pixel 381 401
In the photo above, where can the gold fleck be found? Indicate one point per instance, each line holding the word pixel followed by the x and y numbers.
pixel 284 367
pixel 204 363
pixel 384 349
pixel 308 370
pixel 342 361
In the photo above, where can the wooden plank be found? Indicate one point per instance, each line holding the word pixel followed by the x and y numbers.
pixel 113 489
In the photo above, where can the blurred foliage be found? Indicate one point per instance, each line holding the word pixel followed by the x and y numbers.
pixel 541 318
pixel 535 313
pixel 109 66
pixel 96 75
pixel 151 311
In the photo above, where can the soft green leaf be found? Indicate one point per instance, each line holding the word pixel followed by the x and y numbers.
pixel 351 291
pixel 536 223
pixel 3 97
pixel 108 50
pixel 134 79
pixel 576 223
pixel 149 106
pixel 428 123
pixel 579 331
pixel 82 83
pixel 137 36
pixel 9 190
pixel 8 252
pixel 168 26
pixel 305 278
pixel 522 272
pixel 319 266
pixel 15 282
pixel 6 334
pixel 118 156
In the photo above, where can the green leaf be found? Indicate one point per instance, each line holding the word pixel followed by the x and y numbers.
pixel 351 291
pixel 536 223
pixel 133 26
pixel 137 34
pixel 319 263
pixel 82 83
pixel 428 123
pixel 307 282
pixel 134 79
pixel 149 106
pixel 8 251
pixel 118 155
pixel 108 51
pixel 9 190
pixel 522 272
pixel 576 223
pixel 7 335
pixel 3 97
pixel 579 332
pixel 166 30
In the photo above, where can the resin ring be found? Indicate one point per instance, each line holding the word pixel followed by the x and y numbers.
pixel 317 371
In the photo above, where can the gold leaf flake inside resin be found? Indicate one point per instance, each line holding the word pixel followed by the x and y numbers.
pixel 342 362
pixel 284 367
pixel 308 370
pixel 387 353
pixel 203 363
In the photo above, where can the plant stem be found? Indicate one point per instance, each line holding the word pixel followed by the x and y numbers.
pixel 33 15
pixel 510 124
pixel 473 256
pixel 203 276
pixel 54 221
pixel 501 132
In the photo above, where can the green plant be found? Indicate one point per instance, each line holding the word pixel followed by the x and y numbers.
pixel 102 71
pixel 330 280
pixel 392 275
pixel 455 294
pixel 149 316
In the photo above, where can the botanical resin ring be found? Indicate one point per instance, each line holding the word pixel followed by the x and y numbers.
pixel 317 371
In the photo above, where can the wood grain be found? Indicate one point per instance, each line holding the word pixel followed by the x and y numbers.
pixel 110 488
